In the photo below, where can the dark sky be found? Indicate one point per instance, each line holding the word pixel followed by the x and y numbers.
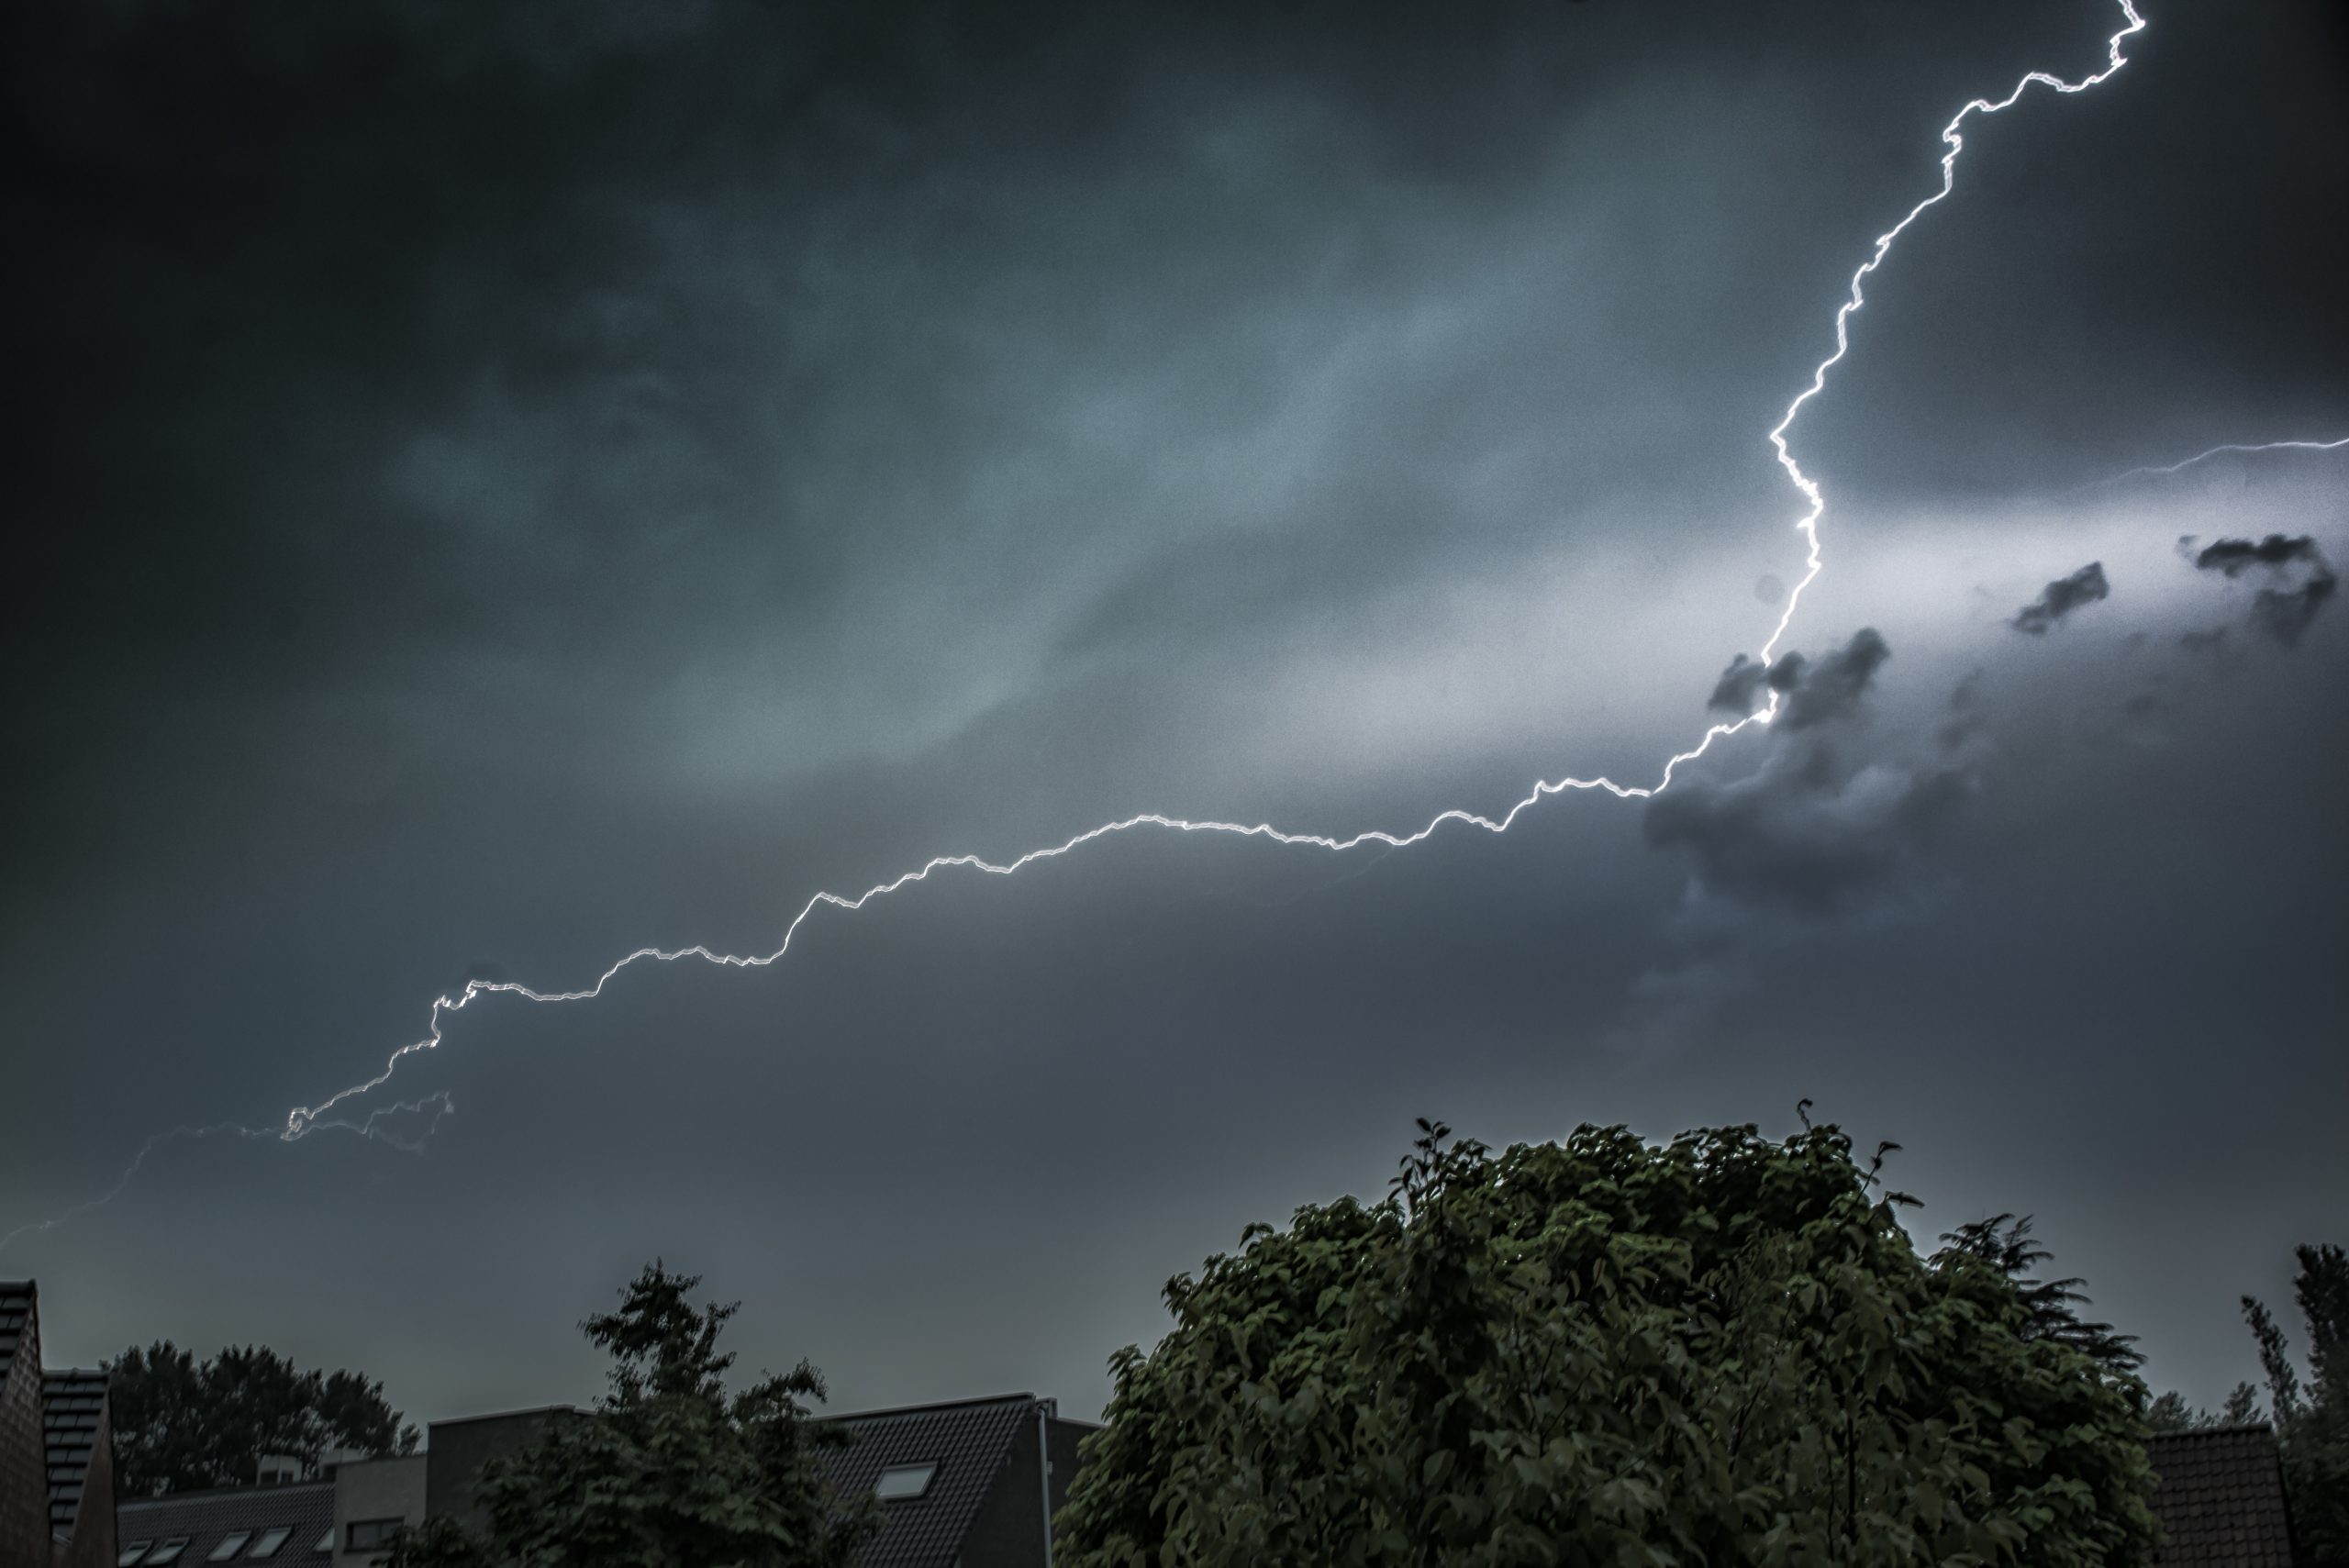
pixel 496 486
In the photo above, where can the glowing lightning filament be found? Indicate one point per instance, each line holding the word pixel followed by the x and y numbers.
pixel 2184 464
pixel 302 1120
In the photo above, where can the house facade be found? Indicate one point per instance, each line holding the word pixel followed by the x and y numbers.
pixel 56 1450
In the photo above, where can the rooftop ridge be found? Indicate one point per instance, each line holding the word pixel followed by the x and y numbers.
pixel 934 1404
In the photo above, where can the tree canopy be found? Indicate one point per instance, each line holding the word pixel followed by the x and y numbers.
pixel 2312 1427
pixel 1721 1350
pixel 182 1425
pixel 670 1471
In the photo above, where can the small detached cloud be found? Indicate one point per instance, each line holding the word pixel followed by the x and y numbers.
pixel 1831 688
pixel 2236 556
pixel 2282 610
pixel 1740 689
pixel 2061 597
pixel 1811 831
pixel 1815 693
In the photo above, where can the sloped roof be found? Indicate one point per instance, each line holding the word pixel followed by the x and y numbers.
pixel 2220 1499
pixel 15 1311
pixel 207 1517
pixel 72 1421
pixel 968 1441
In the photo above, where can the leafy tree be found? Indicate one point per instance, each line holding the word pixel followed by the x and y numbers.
pixel 2005 1243
pixel 2171 1413
pixel 670 1471
pixel 1599 1352
pixel 181 1424
pixel 2313 1427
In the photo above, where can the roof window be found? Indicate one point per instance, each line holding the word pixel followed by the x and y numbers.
pixel 326 1541
pixel 230 1544
pixel 167 1552
pixel 270 1539
pixel 132 1553
pixel 901 1481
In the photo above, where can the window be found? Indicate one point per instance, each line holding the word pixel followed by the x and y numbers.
pixel 901 1482
pixel 372 1535
pixel 326 1542
pixel 169 1551
pixel 230 1544
pixel 270 1539
pixel 132 1553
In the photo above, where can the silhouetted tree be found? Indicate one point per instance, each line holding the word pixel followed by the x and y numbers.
pixel 2312 1427
pixel 1600 1352
pixel 2171 1413
pixel 669 1472
pixel 181 1424
pixel 2005 1244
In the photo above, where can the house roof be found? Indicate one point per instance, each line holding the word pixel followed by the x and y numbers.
pixel 16 1312
pixel 2220 1499
pixel 968 1441
pixel 72 1421
pixel 206 1518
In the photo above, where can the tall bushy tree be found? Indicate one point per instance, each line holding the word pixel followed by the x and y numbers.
pixel 182 1425
pixel 1596 1351
pixel 670 1471
pixel 2313 1427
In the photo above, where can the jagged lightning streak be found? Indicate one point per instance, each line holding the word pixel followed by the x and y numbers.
pixel 303 1120
pixel 2182 466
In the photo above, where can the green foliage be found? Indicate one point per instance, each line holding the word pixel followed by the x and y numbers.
pixel 670 1471
pixel 182 1425
pixel 2005 1243
pixel 1722 1350
pixel 2313 1429
pixel 2171 1413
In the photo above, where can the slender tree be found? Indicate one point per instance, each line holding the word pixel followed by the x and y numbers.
pixel 2313 1426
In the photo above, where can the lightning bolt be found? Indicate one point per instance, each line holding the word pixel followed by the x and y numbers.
pixel 2186 463
pixel 303 1121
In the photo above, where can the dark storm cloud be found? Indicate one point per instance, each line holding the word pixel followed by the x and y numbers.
pixel 1816 692
pixel 1738 690
pixel 2282 613
pixel 541 478
pixel 1830 689
pixel 2061 597
pixel 2236 556
pixel 1823 824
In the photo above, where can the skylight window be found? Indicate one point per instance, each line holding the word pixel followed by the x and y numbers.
pixel 230 1544
pixel 167 1552
pixel 901 1482
pixel 270 1539
pixel 132 1553
pixel 326 1542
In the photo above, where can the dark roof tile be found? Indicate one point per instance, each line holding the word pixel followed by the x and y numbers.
pixel 208 1518
pixel 968 1441
pixel 15 1311
pixel 2220 1499
pixel 72 1422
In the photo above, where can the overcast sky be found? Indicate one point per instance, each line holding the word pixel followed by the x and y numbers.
pixel 499 486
